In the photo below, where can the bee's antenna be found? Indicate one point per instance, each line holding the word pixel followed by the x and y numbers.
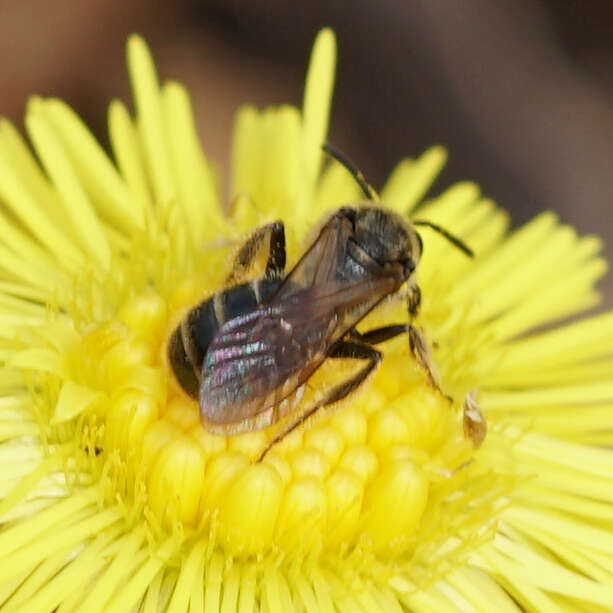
pixel 461 245
pixel 370 193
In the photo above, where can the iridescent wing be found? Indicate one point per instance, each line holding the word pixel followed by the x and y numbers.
pixel 258 359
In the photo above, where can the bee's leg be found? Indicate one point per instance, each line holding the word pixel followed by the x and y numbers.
pixel 275 264
pixel 413 300
pixel 419 346
pixel 276 251
pixel 423 355
pixel 345 349
pixel 379 335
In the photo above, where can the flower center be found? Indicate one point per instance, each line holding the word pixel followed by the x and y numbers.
pixel 364 473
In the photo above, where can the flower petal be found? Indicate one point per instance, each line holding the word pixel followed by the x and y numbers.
pixel 196 189
pixel 151 124
pixel 73 400
pixel 410 179
pixel 316 104
pixel 78 208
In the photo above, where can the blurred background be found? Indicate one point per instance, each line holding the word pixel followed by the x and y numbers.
pixel 519 91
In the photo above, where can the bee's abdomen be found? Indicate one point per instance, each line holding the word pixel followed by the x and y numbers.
pixel 246 297
pixel 190 341
pixel 181 364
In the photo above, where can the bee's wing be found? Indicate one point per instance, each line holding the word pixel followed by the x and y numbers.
pixel 258 359
pixel 261 358
pixel 318 265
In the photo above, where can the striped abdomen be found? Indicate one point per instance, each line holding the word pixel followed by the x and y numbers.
pixel 189 342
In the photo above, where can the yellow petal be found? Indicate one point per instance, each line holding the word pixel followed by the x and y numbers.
pixel 316 104
pixel 73 400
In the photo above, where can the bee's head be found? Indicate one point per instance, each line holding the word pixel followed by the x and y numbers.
pixel 385 237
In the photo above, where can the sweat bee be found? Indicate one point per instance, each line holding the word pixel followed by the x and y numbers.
pixel 246 352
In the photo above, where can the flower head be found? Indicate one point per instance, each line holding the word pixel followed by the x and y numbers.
pixel 114 497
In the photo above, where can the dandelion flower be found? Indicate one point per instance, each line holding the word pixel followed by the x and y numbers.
pixel 114 498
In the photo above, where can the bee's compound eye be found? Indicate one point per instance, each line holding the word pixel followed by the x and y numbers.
pixel 348 213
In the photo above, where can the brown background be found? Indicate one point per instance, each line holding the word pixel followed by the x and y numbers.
pixel 520 91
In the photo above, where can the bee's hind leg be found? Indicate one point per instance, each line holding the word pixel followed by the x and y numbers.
pixel 345 349
pixel 275 264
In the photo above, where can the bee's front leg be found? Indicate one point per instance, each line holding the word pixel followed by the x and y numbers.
pixel 420 348
pixel 379 335
pixel 413 300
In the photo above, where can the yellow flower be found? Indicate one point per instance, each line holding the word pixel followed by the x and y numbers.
pixel 114 498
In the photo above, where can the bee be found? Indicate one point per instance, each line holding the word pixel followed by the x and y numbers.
pixel 246 352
